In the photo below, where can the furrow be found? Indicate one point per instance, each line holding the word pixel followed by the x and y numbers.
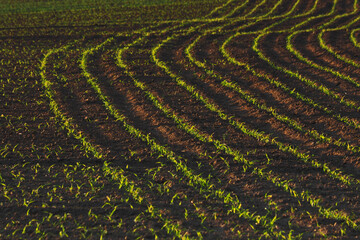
pixel 328 40
pixel 226 81
pixel 329 49
pixel 195 180
pixel 256 171
pixel 160 199
pixel 340 72
pixel 296 70
pixel 261 137
pixel 125 183
pixel 312 49
pixel 180 120
pixel 305 80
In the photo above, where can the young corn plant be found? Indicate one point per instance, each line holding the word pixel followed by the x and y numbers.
pixel 192 90
pixel 194 180
pixel 255 102
pixel 129 186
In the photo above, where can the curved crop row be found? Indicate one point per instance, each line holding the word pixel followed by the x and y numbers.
pixel 118 175
pixel 195 180
pixel 197 131
pixel 306 80
pixel 171 74
pixel 254 101
pixel 337 174
pixel 324 46
pixel 66 121
pixel 259 172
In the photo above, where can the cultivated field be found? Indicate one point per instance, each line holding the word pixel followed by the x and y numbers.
pixel 228 119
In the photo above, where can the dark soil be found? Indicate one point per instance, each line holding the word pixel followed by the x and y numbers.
pixel 52 186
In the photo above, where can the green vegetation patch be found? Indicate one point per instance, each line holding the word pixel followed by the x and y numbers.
pixel 25 6
pixel 20 15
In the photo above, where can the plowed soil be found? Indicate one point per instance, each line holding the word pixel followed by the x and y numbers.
pixel 237 124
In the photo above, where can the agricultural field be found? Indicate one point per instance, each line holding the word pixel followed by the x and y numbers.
pixel 221 119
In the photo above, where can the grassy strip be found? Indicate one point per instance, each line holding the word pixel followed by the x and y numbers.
pixel 16 6
pixel 196 181
pixel 118 175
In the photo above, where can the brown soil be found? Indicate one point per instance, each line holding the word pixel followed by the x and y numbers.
pixel 52 186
